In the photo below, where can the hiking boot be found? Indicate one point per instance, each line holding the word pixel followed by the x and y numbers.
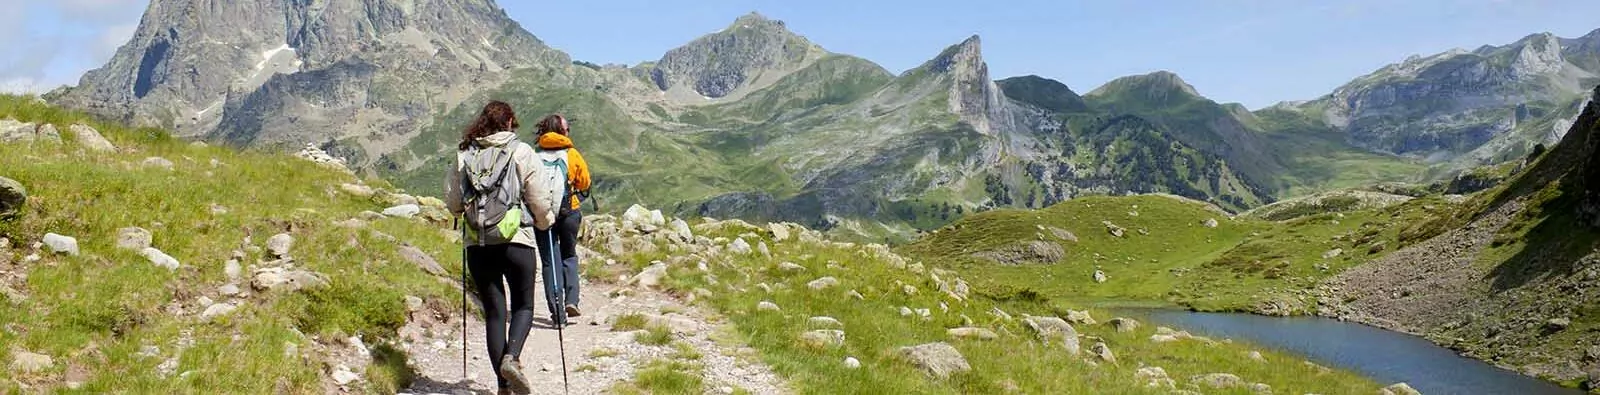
pixel 572 311
pixel 511 369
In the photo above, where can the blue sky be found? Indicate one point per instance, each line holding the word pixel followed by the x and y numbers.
pixel 1256 52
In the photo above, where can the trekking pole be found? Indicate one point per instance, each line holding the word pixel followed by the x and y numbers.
pixel 456 223
pixel 561 307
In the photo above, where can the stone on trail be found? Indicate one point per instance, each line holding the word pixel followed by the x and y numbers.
pixel 343 376
pixel 651 276
pixel 938 359
pixel 403 211
pixel 822 283
pixel 228 290
pixel 160 259
pixel 90 138
pixel 278 245
pixel 1399 389
pixel 133 238
pixel 972 333
pixel 61 244
pixel 232 269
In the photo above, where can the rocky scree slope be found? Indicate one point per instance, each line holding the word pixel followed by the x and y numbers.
pixel 1510 276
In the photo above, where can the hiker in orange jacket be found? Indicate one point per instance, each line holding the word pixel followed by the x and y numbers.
pixel 554 134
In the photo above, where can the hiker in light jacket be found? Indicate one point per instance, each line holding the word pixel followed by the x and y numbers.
pixel 554 134
pixel 515 262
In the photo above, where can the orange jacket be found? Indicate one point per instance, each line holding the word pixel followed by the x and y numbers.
pixel 577 169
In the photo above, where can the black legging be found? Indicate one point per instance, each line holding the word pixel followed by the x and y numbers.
pixel 565 232
pixel 517 265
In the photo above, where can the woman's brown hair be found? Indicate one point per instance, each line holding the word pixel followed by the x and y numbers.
pixel 552 124
pixel 496 116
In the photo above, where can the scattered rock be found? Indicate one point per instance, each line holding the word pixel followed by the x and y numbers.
pixel 824 322
pixel 906 311
pixel 1256 356
pixel 767 306
pixel 133 238
pixel 1400 389
pixel 1048 328
pixel 1063 234
pixel 1557 324
pixel 651 276
pixel 1113 229
pixel 1217 381
pixel 422 260
pixel 780 232
pixel 822 283
pixel 278 245
pixel 12 197
pixel 157 162
pixel 61 244
pixel 855 295
pixel 413 304
pixel 822 338
pixel 1260 389
pixel 681 228
pixel 90 138
pixel 1102 351
pixel 343 376
pixel 1124 325
pixel 852 363
pixel 790 267
pixel 276 278
pixel 26 362
pixel 13 131
pixel 1099 276
pixel 972 333
pixel 761 247
pixel 403 211
pixel 369 215
pixel 908 289
pixel 1154 377
pixel 1333 253
pixel 228 290
pixel 232 269
pixel 1210 223
pixel 1080 317
pixel 217 310
pixel 739 246
pixel 160 259
pixel 938 359
pixel 357 190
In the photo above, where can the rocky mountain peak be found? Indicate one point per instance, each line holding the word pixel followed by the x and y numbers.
pixel 973 95
pixel 189 58
pixel 1540 54
pixel 965 55
pixel 750 53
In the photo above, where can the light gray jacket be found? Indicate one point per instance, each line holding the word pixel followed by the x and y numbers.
pixel 527 164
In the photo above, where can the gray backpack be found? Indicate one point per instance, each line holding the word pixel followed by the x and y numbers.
pixel 492 193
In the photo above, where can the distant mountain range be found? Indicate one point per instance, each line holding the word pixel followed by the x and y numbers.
pixel 757 122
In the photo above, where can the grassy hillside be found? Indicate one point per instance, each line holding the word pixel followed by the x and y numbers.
pixel 96 313
pixel 1014 360
pixel 1167 254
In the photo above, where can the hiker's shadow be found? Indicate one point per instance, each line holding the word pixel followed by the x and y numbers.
pixel 428 385
pixel 546 323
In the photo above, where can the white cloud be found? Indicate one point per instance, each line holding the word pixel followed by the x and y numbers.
pixel 50 43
